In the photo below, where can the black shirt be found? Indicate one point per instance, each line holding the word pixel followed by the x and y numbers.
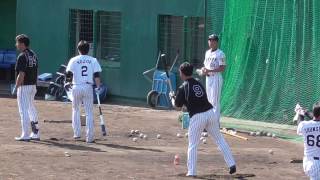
pixel 27 62
pixel 192 94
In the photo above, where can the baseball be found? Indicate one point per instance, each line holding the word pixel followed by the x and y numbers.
pixel 134 139
pixel 258 133
pixel 204 134
pixel 67 154
pixel 141 135
pixel 204 141
pixel 271 151
pixel 179 135
pixel 199 72
pixel 145 136
pixel 158 136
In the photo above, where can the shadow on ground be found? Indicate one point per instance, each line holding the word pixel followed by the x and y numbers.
pixel 116 146
pixel 220 176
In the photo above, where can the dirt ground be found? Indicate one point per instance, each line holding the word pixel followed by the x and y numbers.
pixel 118 157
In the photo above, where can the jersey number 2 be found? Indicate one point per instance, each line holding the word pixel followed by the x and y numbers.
pixel 311 141
pixel 84 71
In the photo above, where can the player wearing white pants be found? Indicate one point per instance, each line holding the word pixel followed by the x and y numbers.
pixel 310 130
pixel 82 70
pixel 26 70
pixel 203 116
pixel 214 65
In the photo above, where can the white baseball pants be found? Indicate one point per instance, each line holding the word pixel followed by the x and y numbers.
pixel 83 94
pixel 210 121
pixel 27 109
pixel 213 87
pixel 312 168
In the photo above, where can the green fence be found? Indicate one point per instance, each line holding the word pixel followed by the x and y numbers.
pixel 272 54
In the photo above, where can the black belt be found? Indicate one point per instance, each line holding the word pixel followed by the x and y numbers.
pixel 316 158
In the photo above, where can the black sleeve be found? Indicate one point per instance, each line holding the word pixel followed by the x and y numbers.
pixel 21 63
pixel 180 97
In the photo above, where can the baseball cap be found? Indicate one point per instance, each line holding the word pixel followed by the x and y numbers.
pixel 213 37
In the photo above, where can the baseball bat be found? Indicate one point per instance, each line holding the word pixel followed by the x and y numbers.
pixel 234 135
pixel 103 127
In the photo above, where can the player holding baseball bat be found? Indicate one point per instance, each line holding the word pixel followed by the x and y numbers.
pixel 202 116
pixel 81 71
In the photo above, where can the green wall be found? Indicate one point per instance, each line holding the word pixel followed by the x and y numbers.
pixel 46 22
pixel 8 23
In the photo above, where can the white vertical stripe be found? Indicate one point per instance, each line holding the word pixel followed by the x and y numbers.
pixel 311 168
pixel 83 94
pixel 210 121
pixel 27 110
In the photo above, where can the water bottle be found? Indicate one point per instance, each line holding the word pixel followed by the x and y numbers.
pixel 185 120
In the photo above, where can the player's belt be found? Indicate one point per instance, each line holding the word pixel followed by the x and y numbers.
pixel 316 158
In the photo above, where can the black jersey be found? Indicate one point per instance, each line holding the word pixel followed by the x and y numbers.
pixel 192 94
pixel 27 62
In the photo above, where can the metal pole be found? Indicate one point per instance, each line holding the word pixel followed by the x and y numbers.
pixel 95 32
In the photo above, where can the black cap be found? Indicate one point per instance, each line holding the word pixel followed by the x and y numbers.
pixel 213 37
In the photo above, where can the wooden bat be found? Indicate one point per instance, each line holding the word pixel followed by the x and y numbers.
pixel 234 135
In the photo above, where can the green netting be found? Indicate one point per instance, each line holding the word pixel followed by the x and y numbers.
pixel 272 54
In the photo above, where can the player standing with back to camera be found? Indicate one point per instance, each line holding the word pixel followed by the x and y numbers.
pixel 82 70
pixel 202 116
pixel 214 65
pixel 310 130
pixel 26 80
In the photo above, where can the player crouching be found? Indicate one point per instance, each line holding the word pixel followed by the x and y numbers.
pixel 203 116
pixel 82 70
pixel 310 130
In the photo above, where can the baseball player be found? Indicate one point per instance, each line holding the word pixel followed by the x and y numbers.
pixel 310 130
pixel 202 116
pixel 82 70
pixel 214 65
pixel 26 78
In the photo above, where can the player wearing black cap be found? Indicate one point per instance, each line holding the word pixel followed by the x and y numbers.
pixel 202 116
pixel 26 79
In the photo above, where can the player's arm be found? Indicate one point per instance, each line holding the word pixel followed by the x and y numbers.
pixel 97 79
pixel 21 69
pixel 20 78
pixel 300 129
pixel 97 73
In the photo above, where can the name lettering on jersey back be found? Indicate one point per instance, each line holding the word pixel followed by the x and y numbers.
pixel 81 61
pixel 312 129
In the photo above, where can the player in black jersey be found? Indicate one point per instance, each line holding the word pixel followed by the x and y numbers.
pixel 26 80
pixel 202 116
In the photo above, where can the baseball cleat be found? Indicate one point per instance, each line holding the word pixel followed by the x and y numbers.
pixel 93 141
pixel 35 137
pixel 76 138
pixel 22 139
pixel 232 169
pixel 191 176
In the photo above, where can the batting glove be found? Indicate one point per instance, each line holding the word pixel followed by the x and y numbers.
pixel 97 90
pixel 172 95
pixel 68 86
